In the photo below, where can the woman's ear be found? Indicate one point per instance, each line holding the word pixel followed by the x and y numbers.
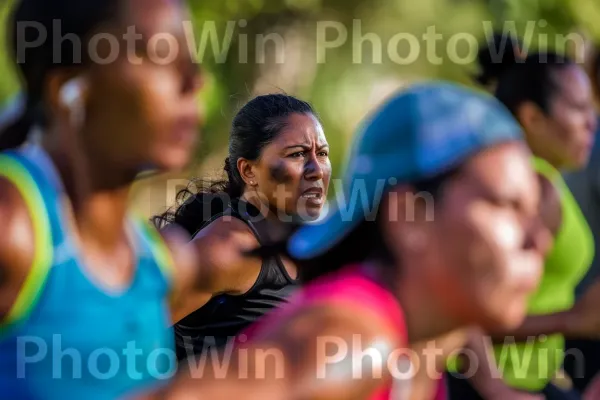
pixel 404 215
pixel 247 169
pixel 67 95
pixel 530 116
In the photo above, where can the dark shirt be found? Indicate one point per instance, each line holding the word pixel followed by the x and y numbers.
pixel 225 316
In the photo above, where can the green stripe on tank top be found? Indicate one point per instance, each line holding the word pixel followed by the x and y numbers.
pixel 159 248
pixel 29 294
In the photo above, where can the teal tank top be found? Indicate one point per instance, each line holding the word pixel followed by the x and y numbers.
pixel 530 366
pixel 67 337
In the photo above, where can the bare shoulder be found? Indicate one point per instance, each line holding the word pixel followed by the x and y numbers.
pixel 324 346
pixel 189 251
pixel 212 262
pixel 222 248
pixel 334 322
pixel 224 228
pixel 17 244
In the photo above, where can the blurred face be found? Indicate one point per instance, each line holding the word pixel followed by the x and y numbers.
pixel 482 255
pixel 142 111
pixel 567 132
pixel 293 171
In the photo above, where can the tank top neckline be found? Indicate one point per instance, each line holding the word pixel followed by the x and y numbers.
pixel 40 157
pixel 251 212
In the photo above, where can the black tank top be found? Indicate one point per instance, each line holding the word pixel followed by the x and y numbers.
pixel 225 316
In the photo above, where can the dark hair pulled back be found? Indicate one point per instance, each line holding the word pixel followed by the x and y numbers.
pixel 44 20
pixel 520 77
pixel 255 125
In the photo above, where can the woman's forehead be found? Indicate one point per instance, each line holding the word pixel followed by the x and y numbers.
pixel 150 17
pixel 574 83
pixel 302 129
pixel 505 167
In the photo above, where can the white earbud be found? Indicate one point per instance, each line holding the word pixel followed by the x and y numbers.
pixel 71 92
pixel 71 95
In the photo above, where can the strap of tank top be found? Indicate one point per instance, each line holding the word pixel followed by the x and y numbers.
pixel 13 168
pixel 230 211
pixel 256 229
pixel 548 171
pixel 236 213
pixel 158 247
pixel 233 211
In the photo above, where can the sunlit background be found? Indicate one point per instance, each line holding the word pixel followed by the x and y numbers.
pixel 345 81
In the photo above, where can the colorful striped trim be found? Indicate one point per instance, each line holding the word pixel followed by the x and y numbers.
pixel 19 176
pixel 158 247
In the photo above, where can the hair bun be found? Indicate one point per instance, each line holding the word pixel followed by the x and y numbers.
pixel 227 166
pixel 501 52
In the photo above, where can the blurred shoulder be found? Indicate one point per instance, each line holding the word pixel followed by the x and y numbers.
pixel 17 244
pixel 224 227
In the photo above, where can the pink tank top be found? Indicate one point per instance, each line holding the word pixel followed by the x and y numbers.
pixel 350 287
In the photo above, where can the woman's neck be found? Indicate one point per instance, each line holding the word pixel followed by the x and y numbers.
pixel 424 319
pixel 277 228
pixel 98 201
pixel 540 151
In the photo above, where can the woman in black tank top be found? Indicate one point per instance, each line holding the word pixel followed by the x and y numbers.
pixel 278 173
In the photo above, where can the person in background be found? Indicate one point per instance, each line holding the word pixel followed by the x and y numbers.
pixel 381 279
pixel 551 97
pixel 585 186
pixel 278 173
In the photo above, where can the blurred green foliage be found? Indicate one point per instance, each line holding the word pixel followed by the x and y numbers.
pixel 344 87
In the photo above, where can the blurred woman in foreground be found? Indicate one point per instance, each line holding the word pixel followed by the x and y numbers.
pixel 552 99
pixel 388 274
pixel 85 284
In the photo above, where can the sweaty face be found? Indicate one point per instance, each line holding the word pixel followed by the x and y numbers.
pixel 488 238
pixel 571 124
pixel 142 110
pixel 293 171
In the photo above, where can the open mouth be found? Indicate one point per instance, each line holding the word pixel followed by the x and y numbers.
pixel 313 196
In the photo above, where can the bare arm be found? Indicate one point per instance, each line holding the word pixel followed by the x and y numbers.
pixel 582 321
pixel 16 245
pixel 311 358
pixel 212 263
